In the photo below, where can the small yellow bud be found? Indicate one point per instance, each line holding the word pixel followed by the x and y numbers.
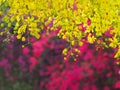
pixel 23 39
pixel 75 59
pixel 65 51
pixel 23 46
pixel 1 33
pixel 118 63
pixel 18 36
pixel 2 25
pixel 80 43
pixel 9 24
pixel 65 58
pixel 73 43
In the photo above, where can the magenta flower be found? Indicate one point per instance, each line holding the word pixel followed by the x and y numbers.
pixel 33 62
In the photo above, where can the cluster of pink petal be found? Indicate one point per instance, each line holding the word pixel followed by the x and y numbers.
pixel 93 70
pixel 42 63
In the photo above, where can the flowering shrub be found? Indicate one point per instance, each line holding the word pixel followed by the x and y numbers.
pixel 93 70
pixel 28 18
pixel 41 65
pixel 21 66
pixel 64 45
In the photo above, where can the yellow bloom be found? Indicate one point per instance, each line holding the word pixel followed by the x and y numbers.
pixel 118 63
pixel 19 36
pixel 23 39
pixel 91 38
pixel 23 46
pixel 65 51
pixel 117 55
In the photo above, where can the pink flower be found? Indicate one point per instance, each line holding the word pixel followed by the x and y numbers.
pixel 75 7
pixel 107 33
pixel 37 49
pixel 26 50
pixel 94 87
pixel 106 88
pixel 45 27
pixel 89 22
pixel 37 52
pixel 117 85
pixel 86 87
pixel 33 62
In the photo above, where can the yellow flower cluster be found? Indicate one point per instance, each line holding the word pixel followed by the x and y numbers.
pixel 28 17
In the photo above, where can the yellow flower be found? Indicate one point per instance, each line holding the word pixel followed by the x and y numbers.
pixel 19 36
pixel 65 51
pixel 91 38
pixel 23 39
pixel 2 24
pixel 118 63
pixel 37 36
pixel 117 55
pixel 22 29
pixel 9 25
pixel 114 42
pixel 23 46
pixel 73 42
pixel 26 15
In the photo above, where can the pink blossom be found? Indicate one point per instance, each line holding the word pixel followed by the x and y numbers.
pixel 106 88
pixel 26 51
pixel 117 85
pixel 33 62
